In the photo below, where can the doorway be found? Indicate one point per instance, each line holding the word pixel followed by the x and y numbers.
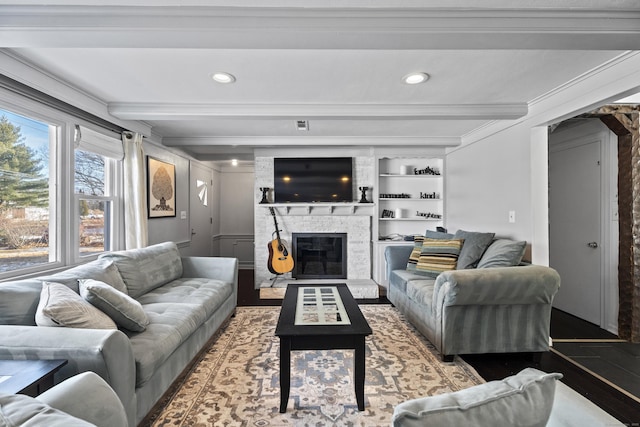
pixel 201 210
pixel 583 225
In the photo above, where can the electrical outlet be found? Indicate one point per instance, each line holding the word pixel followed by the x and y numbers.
pixel 512 216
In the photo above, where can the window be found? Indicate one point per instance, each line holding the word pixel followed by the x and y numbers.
pixel 47 219
pixel 26 206
pixel 97 166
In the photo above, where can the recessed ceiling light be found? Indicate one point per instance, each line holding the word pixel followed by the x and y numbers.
pixel 234 162
pixel 223 77
pixel 415 78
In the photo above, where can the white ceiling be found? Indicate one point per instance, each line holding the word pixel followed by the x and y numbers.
pixel 337 64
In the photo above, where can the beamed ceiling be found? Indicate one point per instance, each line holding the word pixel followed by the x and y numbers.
pixel 337 64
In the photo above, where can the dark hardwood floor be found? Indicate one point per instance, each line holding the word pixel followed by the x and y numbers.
pixel 498 366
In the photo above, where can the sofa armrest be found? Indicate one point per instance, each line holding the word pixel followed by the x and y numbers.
pixel 221 268
pixel 531 284
pixel 88 397
pixel 107 352
pixel 397 257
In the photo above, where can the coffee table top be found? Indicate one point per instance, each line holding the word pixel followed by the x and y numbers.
pixel 17 375
pixel 320 309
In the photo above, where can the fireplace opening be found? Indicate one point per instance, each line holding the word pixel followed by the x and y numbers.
pixel 319 255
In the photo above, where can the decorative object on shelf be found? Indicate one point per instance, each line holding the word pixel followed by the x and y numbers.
pixel 386 213
pixel 363 198
pixel 161 188
pixel 401 213
pixel 264 190
pixel 395 196
pixel 404 169
pixel 426 171
pixel 432 195
pixel 428 215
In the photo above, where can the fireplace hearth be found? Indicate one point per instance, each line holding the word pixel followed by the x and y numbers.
pixel 319 255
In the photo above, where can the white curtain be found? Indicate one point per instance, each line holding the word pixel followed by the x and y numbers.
pixel 135 205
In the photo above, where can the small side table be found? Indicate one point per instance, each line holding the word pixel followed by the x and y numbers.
pixel 30 377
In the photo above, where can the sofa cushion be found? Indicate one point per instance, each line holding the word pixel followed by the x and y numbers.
pixel 100 269
pixel 175 311
pixel 18 301
pixel 60 306
pixel 421 292
pixel 20 410
pixel 437 235
pixel 120 307
pixel 414 256
pixel 438 255
pixel 400 278
pixel 524 399
pixel 503 253
pixel 474 246
pixel 147 268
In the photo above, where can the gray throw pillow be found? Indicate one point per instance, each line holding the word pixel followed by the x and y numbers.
pixel 525 399
pixel 474 246
pixel 503 253
pixel 20 410
pixel 122 309
pixel 60 306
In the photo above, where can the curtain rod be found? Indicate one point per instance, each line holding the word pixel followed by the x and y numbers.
pixel 50 101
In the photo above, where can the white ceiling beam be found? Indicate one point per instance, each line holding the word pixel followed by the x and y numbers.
pixel 181 111
pixel 320 28
pixel 215 143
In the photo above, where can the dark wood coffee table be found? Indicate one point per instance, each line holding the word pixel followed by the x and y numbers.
pixel 30 377
pixel 321 317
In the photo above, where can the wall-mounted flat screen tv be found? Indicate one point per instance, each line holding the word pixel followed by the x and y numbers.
pixel 308 180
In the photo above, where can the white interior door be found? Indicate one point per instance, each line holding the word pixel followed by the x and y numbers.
pixel 201 210
pixel 574 229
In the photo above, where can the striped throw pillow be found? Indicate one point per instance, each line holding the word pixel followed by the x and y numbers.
pixel 415 253
pixel 438 255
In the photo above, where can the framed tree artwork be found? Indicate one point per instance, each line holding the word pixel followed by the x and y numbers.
pixel 161 188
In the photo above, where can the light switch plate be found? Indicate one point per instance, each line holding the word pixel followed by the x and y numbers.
pixel 512 216
pixel 183 214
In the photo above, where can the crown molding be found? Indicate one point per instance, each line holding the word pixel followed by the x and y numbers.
pixel 337 27
pixel 184 111
pixel 617 77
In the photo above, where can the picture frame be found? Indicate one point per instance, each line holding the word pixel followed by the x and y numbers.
pixel 161 188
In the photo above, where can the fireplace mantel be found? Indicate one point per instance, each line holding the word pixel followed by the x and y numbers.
pixel 355 208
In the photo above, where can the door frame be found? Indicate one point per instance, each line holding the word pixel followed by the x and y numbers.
pixel 588 132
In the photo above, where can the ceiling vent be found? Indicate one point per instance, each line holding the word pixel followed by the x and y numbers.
pixel 302 125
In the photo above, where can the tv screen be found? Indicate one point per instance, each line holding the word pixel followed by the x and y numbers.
pixel 308 180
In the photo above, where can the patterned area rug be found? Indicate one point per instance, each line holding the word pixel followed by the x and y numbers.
pixel 235 382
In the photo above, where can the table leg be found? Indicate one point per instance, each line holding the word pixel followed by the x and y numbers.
pixel 359 371
pixel 285 372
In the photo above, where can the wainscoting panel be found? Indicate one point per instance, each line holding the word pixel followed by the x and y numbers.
pixel 239 246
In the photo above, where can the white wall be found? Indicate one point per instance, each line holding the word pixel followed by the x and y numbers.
pixel 486 180
pixel 171 228
pixel 502 167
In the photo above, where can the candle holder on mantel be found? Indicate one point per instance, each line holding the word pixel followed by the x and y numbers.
pixel 363 198
pixel 264 190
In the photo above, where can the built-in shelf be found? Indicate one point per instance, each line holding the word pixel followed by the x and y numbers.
pixel 408 199
pixel 410 219
pixel 413 175
pixel 321 208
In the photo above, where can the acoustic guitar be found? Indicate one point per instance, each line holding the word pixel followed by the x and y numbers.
pixel 280 260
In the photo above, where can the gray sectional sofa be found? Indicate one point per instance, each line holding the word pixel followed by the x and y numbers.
pixel 171 308
pixel 495 306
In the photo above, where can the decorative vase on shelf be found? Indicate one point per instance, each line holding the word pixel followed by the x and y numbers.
pixel 363 198
pixel 264 190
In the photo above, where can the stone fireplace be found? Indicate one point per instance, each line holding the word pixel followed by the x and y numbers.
pixel 356 228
